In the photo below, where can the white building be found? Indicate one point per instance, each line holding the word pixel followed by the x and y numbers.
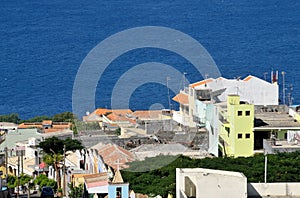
pixel 208 183
pixel 251 89
pixel 195 99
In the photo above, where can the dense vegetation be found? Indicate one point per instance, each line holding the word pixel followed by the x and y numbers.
pixel 76 191
pixel 87 126
pixel 26 181
pixel 56 145
pixel 282 167
pixel 42 180
pixel 12 181
pixel 10 118
pixel 61 117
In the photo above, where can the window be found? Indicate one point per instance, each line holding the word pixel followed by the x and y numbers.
pixel 240 136
pixel 247 113
pixel 119 192
pixel 240 113
pixel 181 106
pixel 247 135
pixel 187 110
pixel 228 130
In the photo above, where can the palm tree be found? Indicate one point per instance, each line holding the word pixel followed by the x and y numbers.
pixel 54 153
pixel 54 159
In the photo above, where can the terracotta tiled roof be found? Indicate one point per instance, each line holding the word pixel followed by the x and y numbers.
pixel 116 117
pixel 121 111
pixel 30 125
pixel 150 114
pixel 121 115
pixel 61 126
pixel 94 180
pixel 114 155
pixel 248 78
pixel 117 111
pixel 51 130
pixel 54 125
pixel 201 83
pixel 101 111
pixel 181 98
pixel 47 122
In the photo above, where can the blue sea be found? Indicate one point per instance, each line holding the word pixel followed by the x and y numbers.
pixel 43 44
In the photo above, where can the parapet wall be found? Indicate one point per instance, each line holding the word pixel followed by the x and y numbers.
pixel 273 189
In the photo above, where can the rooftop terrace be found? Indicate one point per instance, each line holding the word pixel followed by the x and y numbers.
pixel 278 120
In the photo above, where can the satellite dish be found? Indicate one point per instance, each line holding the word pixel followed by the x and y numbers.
pixel 217 92
pixel 214 94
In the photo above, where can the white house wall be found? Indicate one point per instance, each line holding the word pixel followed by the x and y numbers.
pixel 255 90
pixel 213 125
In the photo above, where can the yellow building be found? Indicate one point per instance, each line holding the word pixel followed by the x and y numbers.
pixel 236 129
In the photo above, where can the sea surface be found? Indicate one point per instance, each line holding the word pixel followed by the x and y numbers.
pixel 43 43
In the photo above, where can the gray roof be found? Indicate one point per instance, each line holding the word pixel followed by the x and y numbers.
pixel 20 135
pixel 275 120
pixel 160 148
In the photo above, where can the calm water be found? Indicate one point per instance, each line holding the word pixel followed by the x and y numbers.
pixel 44 42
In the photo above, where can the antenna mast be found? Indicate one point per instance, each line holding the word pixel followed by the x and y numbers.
pixel 184 79
pixel 283 87
pixel 168 78
pixel 290 95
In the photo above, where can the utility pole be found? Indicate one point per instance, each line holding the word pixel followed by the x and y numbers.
pixel 6 164
pixel 265 76
pixel 64 172
pixel 18 183
pixel 266 162
pixel 28 191
pixel 184 79
pixel 168 78
pixel 290 95
pixel 283 87
pixel 22 164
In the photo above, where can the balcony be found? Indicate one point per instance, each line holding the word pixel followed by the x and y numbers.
pixel 199 121
pixel 223 119
pixel 180 118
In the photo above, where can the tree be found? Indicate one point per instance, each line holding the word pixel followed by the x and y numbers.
pixel 38 119
pixel 42 180
pixel 11 181
pixel 64 117
pixel 23 180
pixel 54 150
pixel 76 191
pixel 10 118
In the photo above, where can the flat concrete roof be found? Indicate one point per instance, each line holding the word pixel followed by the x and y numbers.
pixel 211 171
pixel 20 135
pixel 285 144
pixel 273 120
